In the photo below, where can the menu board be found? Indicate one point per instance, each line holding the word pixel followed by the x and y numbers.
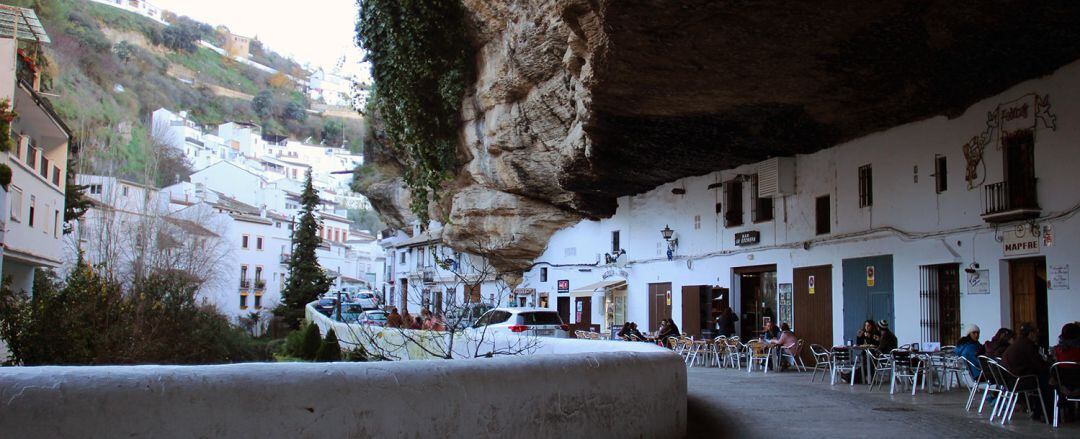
pixel 784 302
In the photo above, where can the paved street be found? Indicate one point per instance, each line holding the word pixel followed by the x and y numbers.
pixel 728 403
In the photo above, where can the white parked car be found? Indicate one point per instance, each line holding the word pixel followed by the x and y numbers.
pixel 366 299
pixel 540 322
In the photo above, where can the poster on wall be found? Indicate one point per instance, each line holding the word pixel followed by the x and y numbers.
pixel 870 275
pixel 783 292
pixel 978 282
pixel 810 282
pixel 1059 277
pixel 564 286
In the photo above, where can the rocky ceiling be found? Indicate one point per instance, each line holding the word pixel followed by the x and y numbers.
pixel 578 102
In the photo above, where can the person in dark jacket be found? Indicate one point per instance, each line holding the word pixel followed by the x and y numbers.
pixel 969 348
pixel 636 333
pixel 1068 347
pixel 725 323
pixel 1022 358
pixel 624 332
pixel 667 329
pixel 886 338
pixel 869 335
pixel 999 343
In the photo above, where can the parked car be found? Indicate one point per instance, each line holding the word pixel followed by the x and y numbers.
pixel 350 313
pixel 373 317
pixel 326 306
pixel 539 322
pixel 468 315
pixel 367 299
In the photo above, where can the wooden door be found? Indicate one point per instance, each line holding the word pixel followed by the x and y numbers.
pixel 813 315
pixel 563 303
pixel 1027 288
pixel 691 310
pixel 583 313
pixel 659 307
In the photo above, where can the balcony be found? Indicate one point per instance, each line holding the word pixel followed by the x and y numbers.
pixel 245 284
pixel 260 285
pixel 1010 201
pixel 285 258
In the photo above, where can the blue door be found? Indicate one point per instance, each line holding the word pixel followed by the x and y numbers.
pixel 868 292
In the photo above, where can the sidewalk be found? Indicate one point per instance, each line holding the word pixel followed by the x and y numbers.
pixel 730 403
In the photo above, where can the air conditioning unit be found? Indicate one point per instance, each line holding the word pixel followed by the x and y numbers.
pixel 776 177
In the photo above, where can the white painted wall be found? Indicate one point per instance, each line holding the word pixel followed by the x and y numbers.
pixel 908 220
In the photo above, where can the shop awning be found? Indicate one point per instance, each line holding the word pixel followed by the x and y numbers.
pixel 589 289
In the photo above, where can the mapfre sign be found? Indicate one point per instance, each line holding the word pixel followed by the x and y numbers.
pixel 1020 241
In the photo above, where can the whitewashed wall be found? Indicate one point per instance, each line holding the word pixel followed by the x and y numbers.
pixel 908 220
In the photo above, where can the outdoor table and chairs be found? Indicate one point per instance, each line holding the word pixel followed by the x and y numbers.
pixel 1065 380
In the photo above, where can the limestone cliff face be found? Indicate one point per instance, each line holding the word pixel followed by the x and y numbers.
pixel 578 102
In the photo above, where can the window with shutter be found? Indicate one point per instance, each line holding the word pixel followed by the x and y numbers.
pixel 733 215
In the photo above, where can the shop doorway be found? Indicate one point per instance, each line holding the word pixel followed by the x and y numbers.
pixel 583 313
pixel 813 314
pixel 757 299
pixel 659 304
pixel 868 293
pixel 563 305
pixel 697 310
pixel 1027 291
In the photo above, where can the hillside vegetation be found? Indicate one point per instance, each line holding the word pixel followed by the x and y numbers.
pixel 108 69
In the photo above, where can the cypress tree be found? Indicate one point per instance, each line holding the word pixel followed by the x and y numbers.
pixel 330 349
pixel 307 280
pixel 312 342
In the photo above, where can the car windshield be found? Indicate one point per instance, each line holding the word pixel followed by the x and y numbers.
pixel 539 318
pixel 366 296
pixel 350 316
pixel 353 308
pixel 377 316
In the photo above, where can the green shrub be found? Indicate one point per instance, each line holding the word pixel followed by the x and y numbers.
pixel 294 344
pixel 312 342
pixel 357 354
pixel 330 349
pixel 5 176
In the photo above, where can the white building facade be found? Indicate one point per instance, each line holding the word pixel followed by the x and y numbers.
pixel 929 225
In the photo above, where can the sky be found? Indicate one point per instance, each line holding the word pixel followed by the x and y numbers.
pixel 318 32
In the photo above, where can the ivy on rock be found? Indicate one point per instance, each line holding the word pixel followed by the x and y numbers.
pixel 420 62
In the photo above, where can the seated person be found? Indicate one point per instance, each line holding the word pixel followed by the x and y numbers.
pixel 624 332
pixel 1068 347
pixel 869 335
pixel 786 339
pixel 771 332
pixel 968 347
pixel 637 335
pixel 999 343
pixel 667 329
pixel 1023 358
pixel 886 339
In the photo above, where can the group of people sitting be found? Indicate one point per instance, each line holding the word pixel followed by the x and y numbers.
pixel 629 331
pixel 877 335
pixel 1020 353
pixel 427 320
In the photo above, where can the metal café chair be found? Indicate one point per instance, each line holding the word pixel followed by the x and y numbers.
pixel 733 354
pixel 977 380
pixel 1013 387
pixel 906 367
pixel 843 360
pixel 758 352
pixel 1065 377
pixel 992 384
pixel 792 353
pixel 880 367
pixel 822 362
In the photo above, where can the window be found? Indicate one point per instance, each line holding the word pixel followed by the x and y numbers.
pixel 95 189
pixel 259 243
pixel 615 242
pixel 939 293
pixel 56 176
pixel 56 224
pixel 866 186
pixel 697 222
pixel 762 207
pixel 243 300
pixel 941 174
pixel 823 215
pixel 31 156
pixel 244 241
pixel 16 204
pixel 44 169
pixel 33 205
pixel 258 301
pixel 258 275
pixel 124 190
pixel 543 274
pixel 733 199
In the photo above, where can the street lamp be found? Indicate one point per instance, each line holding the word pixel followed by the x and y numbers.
pixel 667 233
pixel 672 242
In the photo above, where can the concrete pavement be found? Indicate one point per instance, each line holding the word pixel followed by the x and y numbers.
pixel 729 403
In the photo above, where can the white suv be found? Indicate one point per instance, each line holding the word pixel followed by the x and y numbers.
pixel 540 322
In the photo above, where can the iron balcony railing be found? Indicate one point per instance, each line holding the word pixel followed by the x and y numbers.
pixel 245 284
pixel 1008 195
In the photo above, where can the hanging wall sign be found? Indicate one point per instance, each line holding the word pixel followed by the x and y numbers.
pixel 870 275
pixel 564 286
pixel 1020 241
pixel 751 237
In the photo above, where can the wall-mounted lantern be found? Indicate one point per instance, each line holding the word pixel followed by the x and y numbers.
pixel 673 243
